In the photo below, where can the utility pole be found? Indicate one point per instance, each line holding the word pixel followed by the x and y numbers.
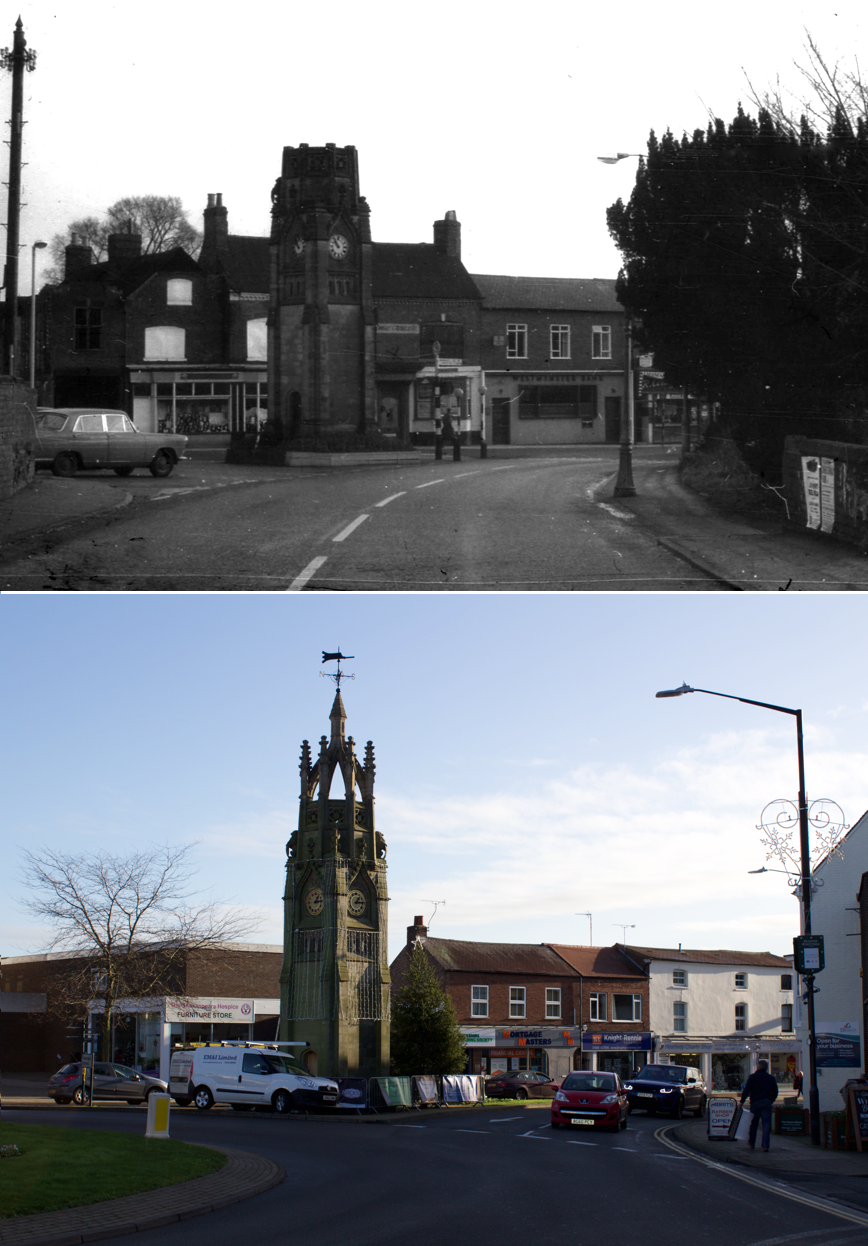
pixel 17 61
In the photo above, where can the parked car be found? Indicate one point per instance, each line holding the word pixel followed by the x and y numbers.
pixel 670 1088
pixel 71 439
pixel 253 1075
pixel 520 1086
pixel 590 1100
pixel 110 1081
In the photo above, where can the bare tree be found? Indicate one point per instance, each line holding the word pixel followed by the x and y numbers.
pixel 833 90
pixel 127 924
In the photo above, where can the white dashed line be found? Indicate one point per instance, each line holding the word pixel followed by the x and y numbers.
pixel 309 572
pixel 351 527
pixel 471 1131
pixel 578 1142
pixel 503 1119
pixel 429 483
pixel 632 1149
pixel 411 1126
pixel 461 475
pixel 385 502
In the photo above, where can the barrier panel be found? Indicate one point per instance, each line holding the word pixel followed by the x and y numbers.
pixel 352 1092
pixel 461 1088
pixel 390 1092
pixel 425 1091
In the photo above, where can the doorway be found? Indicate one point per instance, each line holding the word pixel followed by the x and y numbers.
pixel 613 419
pixel 500 421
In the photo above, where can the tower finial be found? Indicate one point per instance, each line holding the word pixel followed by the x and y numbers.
pixel 339 675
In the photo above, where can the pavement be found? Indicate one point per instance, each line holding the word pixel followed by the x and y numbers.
pixel 744 554
pixel 789 1154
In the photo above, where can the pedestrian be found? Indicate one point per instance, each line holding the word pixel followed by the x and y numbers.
pixel 762 1090
pixel 797 1083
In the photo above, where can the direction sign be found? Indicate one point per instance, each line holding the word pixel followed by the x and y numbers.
pixel 808 954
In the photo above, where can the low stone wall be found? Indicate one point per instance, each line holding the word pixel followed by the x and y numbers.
pixel 826 488
pixel 17 409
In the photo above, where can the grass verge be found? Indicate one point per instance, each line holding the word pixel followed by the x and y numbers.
pixel 718 473
pixel 60 1168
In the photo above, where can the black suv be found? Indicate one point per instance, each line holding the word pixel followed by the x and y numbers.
pixel 670 1088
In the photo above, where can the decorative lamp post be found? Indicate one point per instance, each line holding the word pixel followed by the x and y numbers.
pixel 34 248
pixel 804 879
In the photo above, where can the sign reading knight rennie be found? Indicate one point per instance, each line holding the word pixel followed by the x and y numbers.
pixel 213 1010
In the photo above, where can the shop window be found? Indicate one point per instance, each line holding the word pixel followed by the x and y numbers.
pixel 479 1001
pixel 516 1001
pixel 741 981
pixel 553 1001
pixel 179 292
pixel 560 341
pixel 679 1017
pixel 786 981
pixel 516 341
pixel 164 342
pixel 257 339
pixel 601 341
pixel 552 402
pixel 740 1017
pixel 88 327
pixel 626 1007
pixel 597 1005
pixel 679 977
pixel 786 1018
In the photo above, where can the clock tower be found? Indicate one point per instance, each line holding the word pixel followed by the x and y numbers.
pixel 321 323
pixel 334 985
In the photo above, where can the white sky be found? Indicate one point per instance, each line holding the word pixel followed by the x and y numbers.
pixel 525 771
pixel 497 111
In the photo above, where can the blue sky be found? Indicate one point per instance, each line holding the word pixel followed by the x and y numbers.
pixel 525 771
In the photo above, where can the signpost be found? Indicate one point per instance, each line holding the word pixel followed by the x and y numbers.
pixel 857 1116
pixel 808 954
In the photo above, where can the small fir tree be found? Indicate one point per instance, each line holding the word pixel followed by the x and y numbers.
pixel 425 1034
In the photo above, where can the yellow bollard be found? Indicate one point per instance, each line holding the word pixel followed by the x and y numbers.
pixel 158 1116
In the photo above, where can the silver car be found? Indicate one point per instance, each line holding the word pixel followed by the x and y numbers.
pixel 110 1081
pixel 71 439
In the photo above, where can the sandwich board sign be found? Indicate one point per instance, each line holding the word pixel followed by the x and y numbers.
pixel 721 1113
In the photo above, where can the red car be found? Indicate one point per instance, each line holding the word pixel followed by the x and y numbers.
pixel 587 1100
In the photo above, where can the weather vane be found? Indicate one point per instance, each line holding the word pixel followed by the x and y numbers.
pixel 339 675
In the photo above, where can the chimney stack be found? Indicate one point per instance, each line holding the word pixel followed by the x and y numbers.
pixel 215 241
pixel 78 255
pixel 417 931
pixel 447 235
pixel 125 246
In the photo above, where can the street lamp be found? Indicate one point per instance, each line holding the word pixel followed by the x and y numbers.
pixel 804 879
pixel 619 155
pixel 37 246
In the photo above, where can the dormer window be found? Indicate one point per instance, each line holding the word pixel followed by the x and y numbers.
pixel 179 292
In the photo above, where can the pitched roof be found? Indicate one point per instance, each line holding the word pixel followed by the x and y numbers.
pixel 601 962
pixel 129 275
pixel 705 957
pixel 548 293
pixel 494 957
pixel 414 270
pixel 247 263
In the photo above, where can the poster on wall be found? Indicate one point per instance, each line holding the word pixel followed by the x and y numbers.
pixel 827 495
pixel 838 1045
pixel 811 480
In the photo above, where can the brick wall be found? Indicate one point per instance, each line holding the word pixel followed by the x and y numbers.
pixel 844 506
pixel 218 971
pixel 17 408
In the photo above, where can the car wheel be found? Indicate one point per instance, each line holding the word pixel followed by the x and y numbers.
pixel 556 1124
pixel 80 1095
pixel 134 1102
pixel 183 1103
pixel 678 1110
pixel 521 1094
pixel 123 471
pixel 700 1111
pixel 242 1107
pixel 161 464
pixel 64 1101
pixel 624 1123
pixel 203 1098
pixel 281 1101
pixel 65 465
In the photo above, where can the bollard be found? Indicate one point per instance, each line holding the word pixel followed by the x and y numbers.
pixel 158 1116
pixel 456 450
pixel 438 448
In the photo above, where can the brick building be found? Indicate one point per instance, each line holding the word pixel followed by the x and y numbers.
pixel 231 991
pixel 550 1007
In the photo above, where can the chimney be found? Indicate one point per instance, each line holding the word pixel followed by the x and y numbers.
pixel 125 246
pixel 447 235
pixel 215 241
pixel 417 931
pixel 78 256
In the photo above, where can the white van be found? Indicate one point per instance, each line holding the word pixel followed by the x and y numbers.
pixel 245 1076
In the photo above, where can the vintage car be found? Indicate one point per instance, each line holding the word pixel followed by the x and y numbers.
pixel 71 439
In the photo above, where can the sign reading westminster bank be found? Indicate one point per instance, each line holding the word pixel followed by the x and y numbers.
pixel 212 1010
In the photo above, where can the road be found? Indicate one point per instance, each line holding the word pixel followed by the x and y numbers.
pixel 484 1178
pixel 522 524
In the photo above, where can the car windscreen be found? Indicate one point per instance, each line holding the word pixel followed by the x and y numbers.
pixel 50 421
pixel 661 1073
pixel 284 1064
pixel 588 1081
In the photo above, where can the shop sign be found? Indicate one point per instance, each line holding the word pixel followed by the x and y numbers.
pixel 398 328
pixel 838 1045
pixel 720 1114
pixel 213 1010
pixel 477 1038
pixel 616 1042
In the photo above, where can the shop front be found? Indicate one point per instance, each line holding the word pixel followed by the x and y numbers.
pixel 620 1053
pixel 547 1050
pixel 200 403
pixel 726 1063
pixel 451 390
pixel 554 408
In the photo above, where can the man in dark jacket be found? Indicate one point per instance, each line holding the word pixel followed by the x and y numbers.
pixel 762 1090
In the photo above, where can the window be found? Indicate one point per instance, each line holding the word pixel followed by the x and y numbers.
pixel 553 1001
pixel 257 339
pixel 740 1017
pixel 598 1007
pixel 786 1018
pixel 786 981
pixel 550 402
pixel 626 1007
pixel 679 1017
pixel 516 1001
pixel 601 341
pixel 679 977
pixel 479 1001
pixel 88 327
pixel 164 342
pixel 516 341
pixel 179 292
pixel 89 424
pixel 741 981
pixel 560 341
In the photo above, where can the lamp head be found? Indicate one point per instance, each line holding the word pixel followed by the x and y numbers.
pixel 674 692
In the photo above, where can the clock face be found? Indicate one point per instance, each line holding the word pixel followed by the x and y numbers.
pixel 339 248
pixel 356 903
pixel 298 246
pixel 313 902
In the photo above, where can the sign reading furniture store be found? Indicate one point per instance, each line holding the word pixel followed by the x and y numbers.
pixel 213 1010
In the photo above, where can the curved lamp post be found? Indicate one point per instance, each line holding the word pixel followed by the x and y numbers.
pixel 804 878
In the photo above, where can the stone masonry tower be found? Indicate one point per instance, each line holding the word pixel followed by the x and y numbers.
pixel 321 318
pixel 334 985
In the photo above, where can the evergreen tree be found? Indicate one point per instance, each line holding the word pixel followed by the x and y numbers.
pixel 425 1034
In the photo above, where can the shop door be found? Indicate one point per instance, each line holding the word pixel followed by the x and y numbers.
pixel 613 419
pixel 500 421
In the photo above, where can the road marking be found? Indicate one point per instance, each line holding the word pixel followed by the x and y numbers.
pixel 613 510
pixel 589 493
pixel 501 1120
pixel 507 468
pixel 798 1237
pixel 411 1126
pixel 461 475
pixel 385 502
pixel 429 483
pixel 632 1149
pixel 533 1135
pixel 351 527
pixel 578 1142
pixel 471 1131
pixel 309 572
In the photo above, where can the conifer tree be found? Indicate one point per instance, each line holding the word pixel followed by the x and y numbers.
pixel 425 1034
